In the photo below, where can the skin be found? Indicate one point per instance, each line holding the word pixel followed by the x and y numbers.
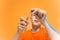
pixel 22 25
pixel 36 20
pixel 54 35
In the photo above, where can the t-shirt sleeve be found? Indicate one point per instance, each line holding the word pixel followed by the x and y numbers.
pixel 47 36
pixel 21 36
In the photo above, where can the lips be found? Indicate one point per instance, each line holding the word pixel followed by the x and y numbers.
pixel 36 21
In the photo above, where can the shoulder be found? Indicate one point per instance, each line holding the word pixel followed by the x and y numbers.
pixel 43 30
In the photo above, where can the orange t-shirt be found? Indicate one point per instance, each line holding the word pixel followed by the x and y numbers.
pixel 40 35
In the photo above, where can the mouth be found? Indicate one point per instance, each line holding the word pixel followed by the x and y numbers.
pixel 36 21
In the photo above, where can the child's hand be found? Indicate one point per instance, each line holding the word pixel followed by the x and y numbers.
pixel 22 25
pixel 40 13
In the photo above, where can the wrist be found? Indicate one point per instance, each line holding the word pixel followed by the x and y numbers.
pixel 45 24
pixel 19 31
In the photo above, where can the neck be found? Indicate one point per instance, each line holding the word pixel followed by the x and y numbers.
pixel 34 30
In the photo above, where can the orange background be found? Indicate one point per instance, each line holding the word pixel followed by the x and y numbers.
pixel 12 10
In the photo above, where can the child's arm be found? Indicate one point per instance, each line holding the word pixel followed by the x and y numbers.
pixel 22 25
pixel 54 35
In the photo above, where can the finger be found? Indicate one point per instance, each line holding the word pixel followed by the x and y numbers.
pixel 27 18
pixel 23 23
pixel 40 13
pixel 23 19
pixel 34 11
pixel 23 27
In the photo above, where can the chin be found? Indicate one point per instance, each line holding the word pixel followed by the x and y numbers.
pixel 35 25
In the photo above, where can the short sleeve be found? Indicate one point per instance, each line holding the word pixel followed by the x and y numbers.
pixel 47 36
